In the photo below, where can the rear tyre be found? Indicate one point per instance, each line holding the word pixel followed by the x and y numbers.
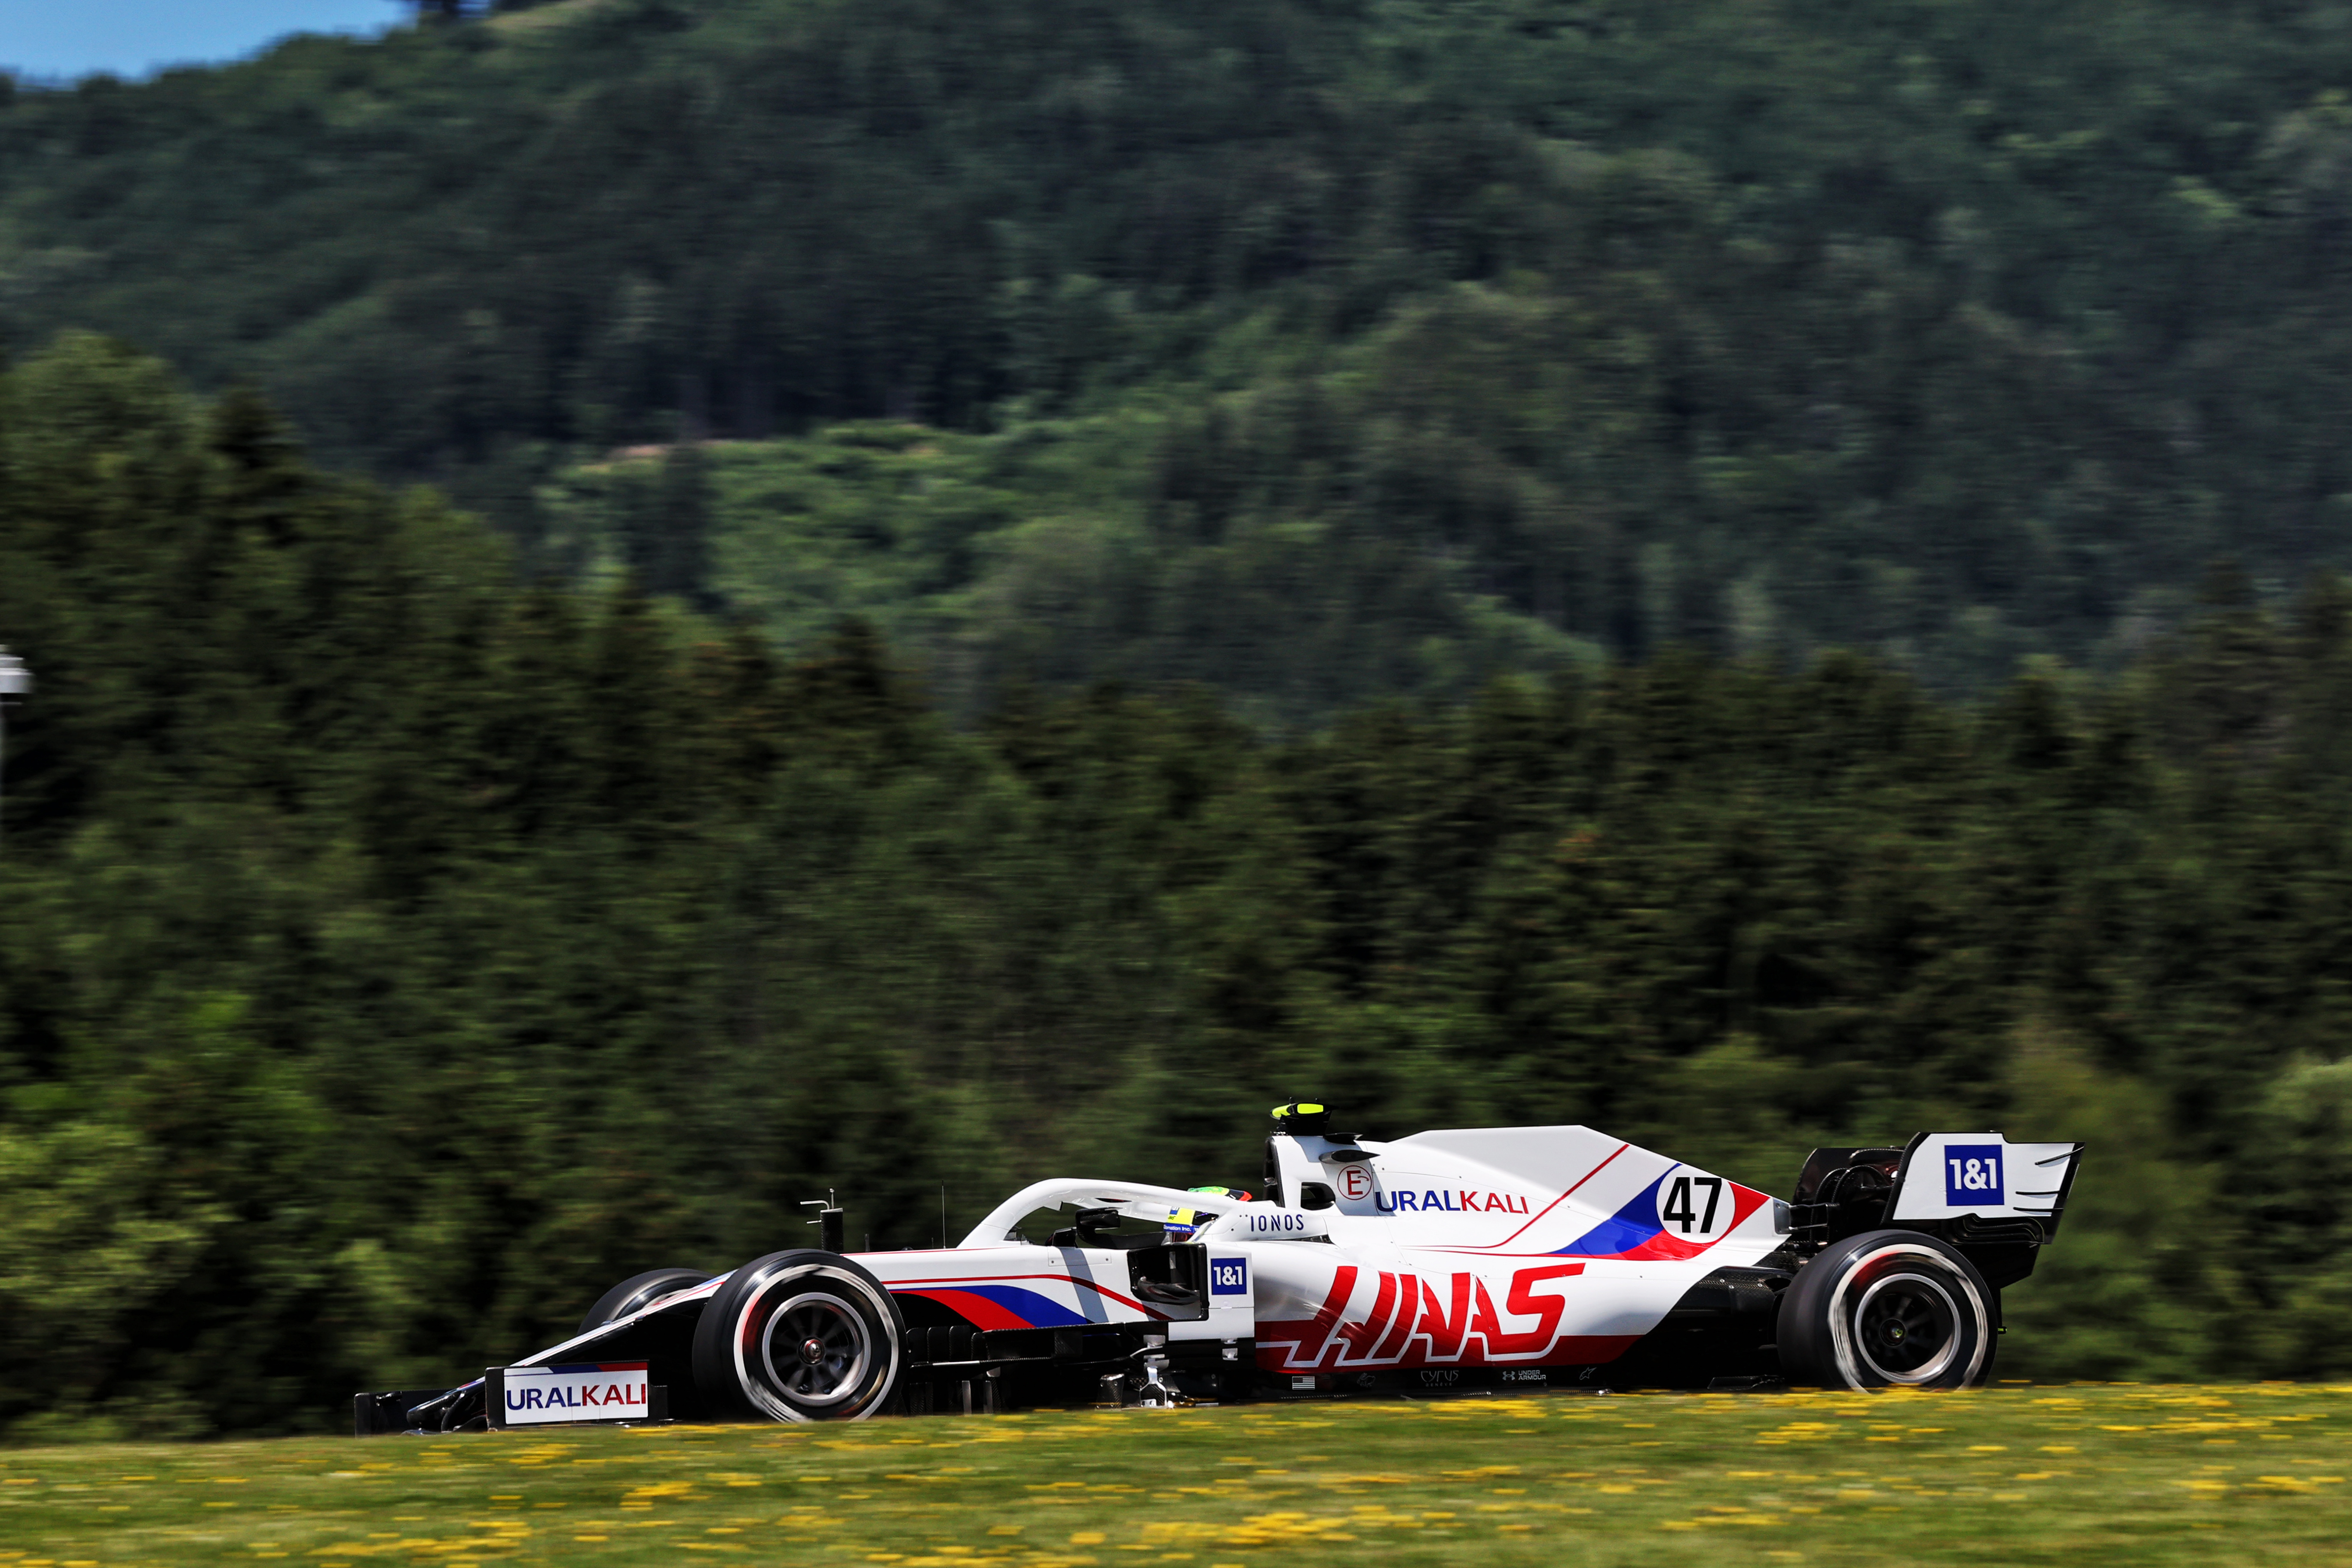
pixel 799 1336
pixel 1889 1308
pixel 637 1292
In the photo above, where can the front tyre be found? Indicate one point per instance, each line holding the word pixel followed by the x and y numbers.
pixel 637 1292
pixel 1889 1308
pixel 799 1336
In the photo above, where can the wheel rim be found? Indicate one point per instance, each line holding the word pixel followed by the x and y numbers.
pixel 815 1348
pixel 1901 1284
pixel 1906 1329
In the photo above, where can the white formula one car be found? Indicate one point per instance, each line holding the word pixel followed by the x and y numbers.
pixel 1445 1260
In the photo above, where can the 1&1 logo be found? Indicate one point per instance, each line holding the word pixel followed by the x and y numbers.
pixel 1972 1175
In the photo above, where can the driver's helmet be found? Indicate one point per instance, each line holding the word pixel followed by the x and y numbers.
pixel 1184 1222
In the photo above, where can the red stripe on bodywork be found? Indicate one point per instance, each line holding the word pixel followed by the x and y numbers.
pixel 1342 1286
pixel 973 1308
pixel 1562 1199
pixel 1408 1310
pixel 1445 1331
pixel 916 1287
pixel 1568 1349
pixel 1307 1339
pixel 1362 1336
pixel 1545 1308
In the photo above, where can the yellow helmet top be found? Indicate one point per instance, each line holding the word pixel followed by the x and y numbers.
pixel 1307 1116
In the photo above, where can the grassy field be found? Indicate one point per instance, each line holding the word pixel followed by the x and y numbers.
pixel 2104 1474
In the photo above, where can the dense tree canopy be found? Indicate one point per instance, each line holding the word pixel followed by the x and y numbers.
pixel 1385 344
pixel 393 952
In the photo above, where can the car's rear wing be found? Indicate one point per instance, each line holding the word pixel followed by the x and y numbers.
pixel 1985 1177
pixel 1996 1200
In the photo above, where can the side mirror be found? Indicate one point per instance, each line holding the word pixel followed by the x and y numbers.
pixel 1315 1195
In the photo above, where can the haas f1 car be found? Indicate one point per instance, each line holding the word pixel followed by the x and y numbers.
pixel 1446 1260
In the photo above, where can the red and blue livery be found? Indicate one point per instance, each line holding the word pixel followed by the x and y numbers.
pixel 1454 1258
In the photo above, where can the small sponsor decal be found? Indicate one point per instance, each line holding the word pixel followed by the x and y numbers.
pixel 1229 1276
pixel 589 1391
pixel 1451 1199
pixel 1972 1175
pixel 1281 1222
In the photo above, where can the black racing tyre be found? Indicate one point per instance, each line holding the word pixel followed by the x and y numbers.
pixel 1888 1308
pixel 799 1336
pixel 638 1291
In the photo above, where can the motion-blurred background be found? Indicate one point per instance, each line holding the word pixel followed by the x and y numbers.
pixel 644 608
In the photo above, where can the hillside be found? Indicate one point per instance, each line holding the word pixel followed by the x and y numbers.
pixel 1394 343
pixel 1028 556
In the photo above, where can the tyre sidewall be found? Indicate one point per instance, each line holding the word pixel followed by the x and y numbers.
pixel 729 1367
pixel 1815 1332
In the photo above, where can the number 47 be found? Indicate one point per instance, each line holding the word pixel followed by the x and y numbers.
pixel 1678 1209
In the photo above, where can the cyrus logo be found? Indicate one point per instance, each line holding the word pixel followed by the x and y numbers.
pixel 1451 1199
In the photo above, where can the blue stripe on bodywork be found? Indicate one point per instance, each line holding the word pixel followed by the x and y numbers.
pixel 1038 1312
pixel 1622 1232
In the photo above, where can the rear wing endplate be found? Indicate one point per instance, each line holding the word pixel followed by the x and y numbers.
pixel 1953 1175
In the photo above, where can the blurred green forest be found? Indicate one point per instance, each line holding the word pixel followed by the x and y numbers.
pixel 395 951
pixel 1317 350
